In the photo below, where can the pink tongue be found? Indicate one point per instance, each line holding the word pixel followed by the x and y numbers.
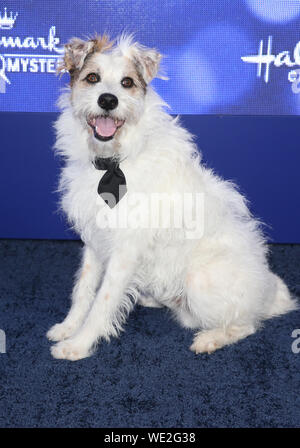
pixel 105 126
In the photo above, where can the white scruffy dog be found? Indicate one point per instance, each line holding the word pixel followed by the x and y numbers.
pixel 216 281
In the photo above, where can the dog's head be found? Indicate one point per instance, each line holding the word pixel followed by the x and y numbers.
pixel 108 82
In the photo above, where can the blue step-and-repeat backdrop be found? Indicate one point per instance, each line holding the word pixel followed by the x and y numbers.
pixel 234 75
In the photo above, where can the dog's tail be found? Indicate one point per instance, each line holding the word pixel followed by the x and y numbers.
pixel 283 302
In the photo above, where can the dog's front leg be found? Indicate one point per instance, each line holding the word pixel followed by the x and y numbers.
pixel 107 312
pixel 84 291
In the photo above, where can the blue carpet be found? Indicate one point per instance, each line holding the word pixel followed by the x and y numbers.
pixel 148 377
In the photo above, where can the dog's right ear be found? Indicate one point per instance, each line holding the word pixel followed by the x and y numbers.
pixel 76 51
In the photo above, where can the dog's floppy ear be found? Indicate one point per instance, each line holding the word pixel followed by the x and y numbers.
pixel 146 61
pixel 76 50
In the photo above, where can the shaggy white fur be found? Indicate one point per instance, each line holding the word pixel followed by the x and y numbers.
pixel 216 280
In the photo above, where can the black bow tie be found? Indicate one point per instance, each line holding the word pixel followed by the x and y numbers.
pixel 112 186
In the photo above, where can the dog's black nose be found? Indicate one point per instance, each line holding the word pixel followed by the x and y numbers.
pixel 107 101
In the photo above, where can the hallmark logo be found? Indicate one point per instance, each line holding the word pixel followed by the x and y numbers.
pixel 278 60
pixel 7 22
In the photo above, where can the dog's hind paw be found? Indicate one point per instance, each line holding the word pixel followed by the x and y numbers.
pixel 70 350
pixel 60 332
pixel 205 343
pixel 210 340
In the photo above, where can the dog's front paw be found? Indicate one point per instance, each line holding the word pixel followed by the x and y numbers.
pixel 60 332
pixel 69 349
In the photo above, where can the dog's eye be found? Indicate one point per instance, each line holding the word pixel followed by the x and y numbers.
pixel 92 78
pixel 127 82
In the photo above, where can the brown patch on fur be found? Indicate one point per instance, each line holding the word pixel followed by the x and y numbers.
pixel 106 297
pixel 140 78
pixel 178 301
pixel 101 43
pixel 138 71
pixel 133 71
pixel 85 269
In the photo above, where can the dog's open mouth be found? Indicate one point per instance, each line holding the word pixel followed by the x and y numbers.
pixel 104 127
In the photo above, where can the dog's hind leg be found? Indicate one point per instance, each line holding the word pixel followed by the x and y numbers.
pixel 224 299
pixel 84 291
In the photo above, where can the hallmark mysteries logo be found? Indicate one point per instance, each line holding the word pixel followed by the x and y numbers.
pixel 27 54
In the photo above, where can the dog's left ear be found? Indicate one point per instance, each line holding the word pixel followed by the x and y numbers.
pixel 146 61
